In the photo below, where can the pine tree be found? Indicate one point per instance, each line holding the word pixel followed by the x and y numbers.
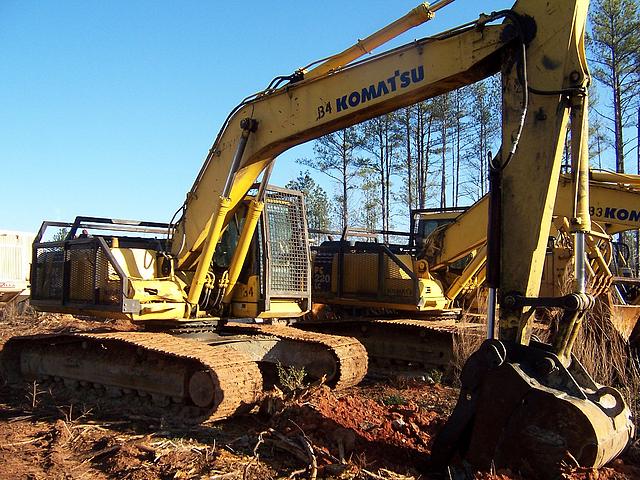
pixel 382 139
pixel 423 146
pixel 336 158
pixel 614 45
pixel 368 213
pixel 485 120
pixel 317 203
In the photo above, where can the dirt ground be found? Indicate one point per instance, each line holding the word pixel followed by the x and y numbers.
pixel 380 430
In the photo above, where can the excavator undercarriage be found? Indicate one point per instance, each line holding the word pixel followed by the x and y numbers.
pixel 197 376
pixel 199 369
pixel 403 347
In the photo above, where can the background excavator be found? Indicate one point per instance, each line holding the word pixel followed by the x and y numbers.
pixel 522 403
pixel 452 242
pixel 428 288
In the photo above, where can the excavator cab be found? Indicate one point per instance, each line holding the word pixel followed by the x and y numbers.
pixel 425 221
pixel 275 280
pixel 626 280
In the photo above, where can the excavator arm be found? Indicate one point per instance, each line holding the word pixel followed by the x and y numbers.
pixel 613 200
pixel 524 403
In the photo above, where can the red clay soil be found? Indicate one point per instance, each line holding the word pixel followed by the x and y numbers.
pixel 373 431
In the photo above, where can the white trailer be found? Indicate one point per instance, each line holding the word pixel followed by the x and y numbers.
pixel 15 263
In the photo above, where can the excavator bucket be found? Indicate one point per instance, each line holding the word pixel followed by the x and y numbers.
pixel 521 408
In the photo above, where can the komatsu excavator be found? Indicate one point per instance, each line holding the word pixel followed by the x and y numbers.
pixel 410 304
pixel 522 402
pixel 446 252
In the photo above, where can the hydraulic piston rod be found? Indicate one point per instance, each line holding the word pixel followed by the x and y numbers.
pixel 417 16
pixel 256 206
pixel 248 126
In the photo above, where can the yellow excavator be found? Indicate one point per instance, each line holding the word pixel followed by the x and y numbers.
pixel 426 290
pixel 523 403
pixel 446 252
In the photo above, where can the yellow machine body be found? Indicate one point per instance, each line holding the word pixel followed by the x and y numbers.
pixel 105 277
pixel 538 47
pixel 376 280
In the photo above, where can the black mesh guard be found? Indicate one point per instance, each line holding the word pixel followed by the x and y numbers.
pixel 287 244
pixel 75 273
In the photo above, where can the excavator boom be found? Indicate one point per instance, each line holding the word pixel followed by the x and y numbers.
pixel 307 109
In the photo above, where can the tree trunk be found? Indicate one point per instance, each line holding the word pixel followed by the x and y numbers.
pixel 443 185
pixel 409 171
pixel 345 213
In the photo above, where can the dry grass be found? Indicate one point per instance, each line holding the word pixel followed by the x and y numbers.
pixel 8 312
pixel 601 349
pixel 607 356
pixel 14 312
pixel 466 342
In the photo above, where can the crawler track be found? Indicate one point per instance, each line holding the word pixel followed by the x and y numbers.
pixel 401 345
pixel 350 355
pixel 179 379
pixel 184 379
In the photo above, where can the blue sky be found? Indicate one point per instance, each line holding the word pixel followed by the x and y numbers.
pixel 108 108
